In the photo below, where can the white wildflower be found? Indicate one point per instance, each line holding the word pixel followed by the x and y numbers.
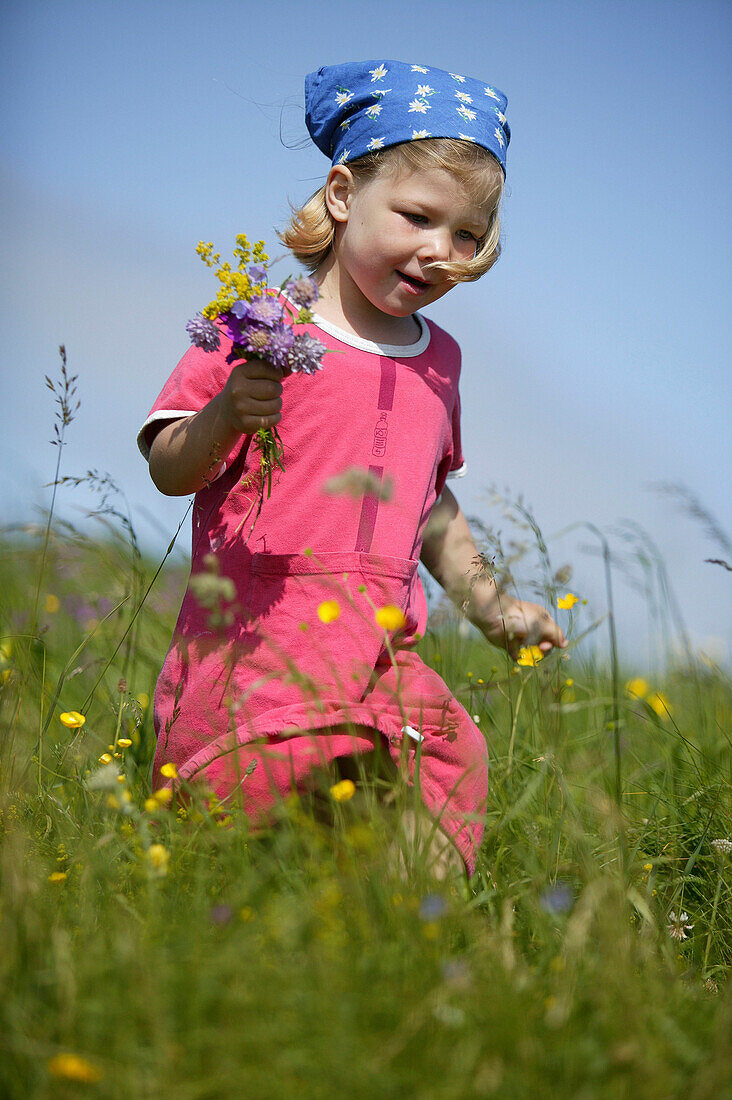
pixel 679 926
pixel 723 845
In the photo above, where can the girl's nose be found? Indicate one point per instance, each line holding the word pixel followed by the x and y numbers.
pixel 437 245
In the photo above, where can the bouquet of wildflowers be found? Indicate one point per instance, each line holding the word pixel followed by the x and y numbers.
pixel 260 325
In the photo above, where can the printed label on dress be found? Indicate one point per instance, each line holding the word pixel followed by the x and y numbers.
pixel 380 436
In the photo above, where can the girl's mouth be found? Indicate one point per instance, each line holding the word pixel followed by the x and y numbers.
pixel 416 286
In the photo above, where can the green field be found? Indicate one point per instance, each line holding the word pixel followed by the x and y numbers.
pixel 155 949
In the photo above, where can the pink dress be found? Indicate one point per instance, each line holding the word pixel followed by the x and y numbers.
pixel 266 683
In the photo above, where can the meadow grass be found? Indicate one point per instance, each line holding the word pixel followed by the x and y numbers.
pixel 160 948
pixel 172 952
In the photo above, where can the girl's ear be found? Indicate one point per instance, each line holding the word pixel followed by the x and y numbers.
pixel 339 188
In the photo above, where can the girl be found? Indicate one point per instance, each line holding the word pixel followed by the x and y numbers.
pixel 295 646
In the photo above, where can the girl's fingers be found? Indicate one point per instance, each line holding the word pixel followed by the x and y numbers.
pixel 259 368
pixel 263 389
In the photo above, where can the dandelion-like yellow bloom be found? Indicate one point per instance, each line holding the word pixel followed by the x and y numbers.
pixel 637 688
pixel 566 603
pixel 158 857
pixel 391 617
pixel 529 655
pixel 72 719
pixel 105 758
pixel 658 702
pixel 57 876
pixel 163 796
pixel 341 792
pixel 151 805
pixel 169 771
pixel 52 604
pixel 124 742
pixel 329 611
pixel 72 1067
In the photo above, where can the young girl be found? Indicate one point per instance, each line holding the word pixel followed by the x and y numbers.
pixel 294 647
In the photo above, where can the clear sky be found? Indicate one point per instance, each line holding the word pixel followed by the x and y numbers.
pixel 595 352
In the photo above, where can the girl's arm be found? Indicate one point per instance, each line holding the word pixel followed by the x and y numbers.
pixel 450 553
pixel 187 454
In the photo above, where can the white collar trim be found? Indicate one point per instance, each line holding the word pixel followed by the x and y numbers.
pixel 394 351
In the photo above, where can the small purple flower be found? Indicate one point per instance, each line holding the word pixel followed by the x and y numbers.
pixel 280 344
pixel 221 914
pixel 432 907
pixel 240 309
pixel 233 327
pixel 264 311
pixel 306 354
pixel 302 291
pixel 256 340
pixel 556 899
pixel 203 333
pixel 257 273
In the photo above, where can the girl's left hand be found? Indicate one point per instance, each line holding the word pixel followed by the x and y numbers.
pixel 516 623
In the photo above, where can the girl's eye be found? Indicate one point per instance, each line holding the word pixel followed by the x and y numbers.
pixel 466 235
pixel 416 219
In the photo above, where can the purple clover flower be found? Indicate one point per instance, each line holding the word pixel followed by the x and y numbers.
pixel 203 333
pixel 256 340
pixel 302 291
pixel 280 344
pixel 264 311
pixel 306 354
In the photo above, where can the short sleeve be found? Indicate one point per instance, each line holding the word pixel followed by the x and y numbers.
pixel 199 376
pixel 458 467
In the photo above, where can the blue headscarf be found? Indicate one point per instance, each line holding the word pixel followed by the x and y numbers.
pixel 361 106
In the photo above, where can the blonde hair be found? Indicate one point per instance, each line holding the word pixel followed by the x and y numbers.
pixel 311 230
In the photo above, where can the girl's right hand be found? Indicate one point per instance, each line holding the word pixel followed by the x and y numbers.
pixel 252 396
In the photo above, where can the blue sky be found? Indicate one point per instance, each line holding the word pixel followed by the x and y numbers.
pixel 595 352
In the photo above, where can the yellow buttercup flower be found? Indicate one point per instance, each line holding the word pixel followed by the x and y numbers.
pixel 658 702
pixel 72 719
pixel 529 655
pixel 57 876
pixel 144 700
pixel 158 857
pixel 72 1067
pixel 52 604
pixel 341 792
pixel 124 742
pixel 328 611
pixel 565 603
pixel 151 805
pixel 637 688
pixel 163 796
pixel 391 617
pixel 169 771
pixel 105 758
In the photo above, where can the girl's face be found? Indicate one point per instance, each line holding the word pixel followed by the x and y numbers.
pixel 390 228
